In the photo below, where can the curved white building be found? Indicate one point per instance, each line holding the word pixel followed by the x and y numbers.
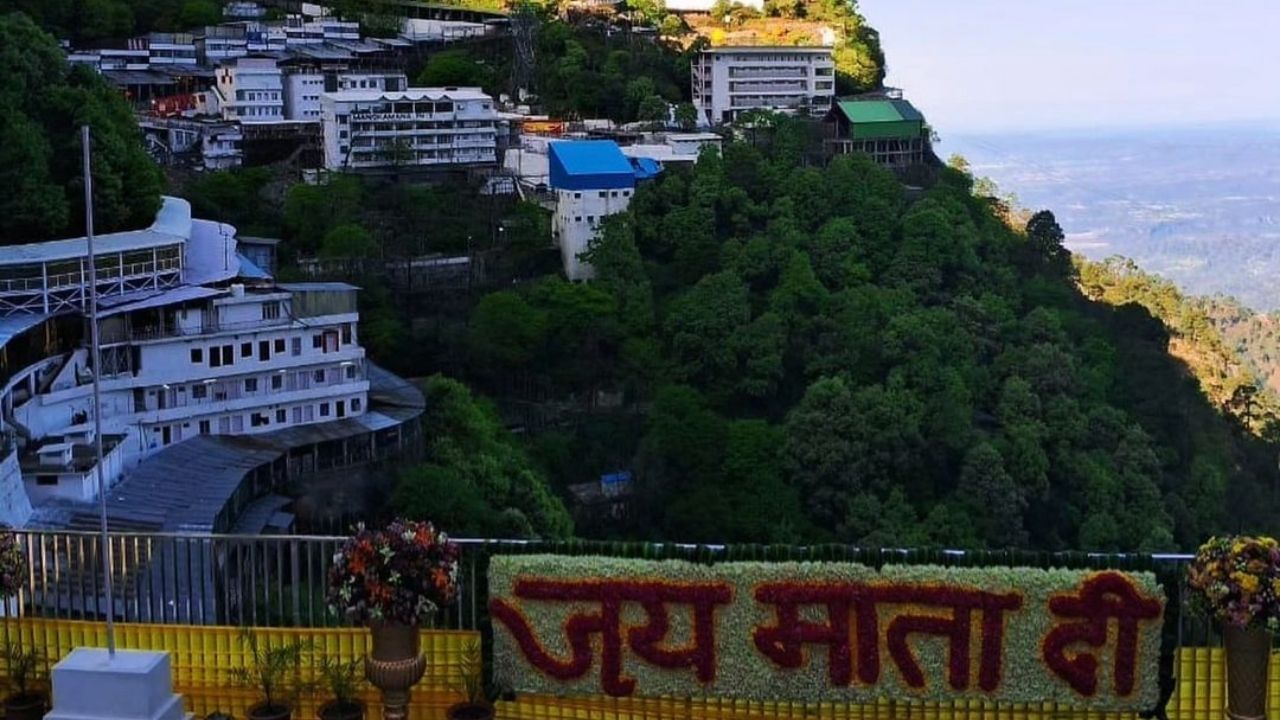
pixel 196 341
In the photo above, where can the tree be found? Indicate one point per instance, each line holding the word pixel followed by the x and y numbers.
pixel 198 13
pixel 348 241
pixel 44 103
pixel 505 332
pixel 652 109
pixel 1045 237
pixel 454 68
pixel 686 116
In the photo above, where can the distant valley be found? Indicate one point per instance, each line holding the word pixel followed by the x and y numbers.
pixel 1199 206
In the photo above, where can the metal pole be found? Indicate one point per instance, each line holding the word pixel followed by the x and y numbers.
pixel 95 354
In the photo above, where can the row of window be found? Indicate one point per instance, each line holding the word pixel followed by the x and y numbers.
pixel 224 355
pixel 260 96
pixel 605 193
pixel 258 112
pixel 234 424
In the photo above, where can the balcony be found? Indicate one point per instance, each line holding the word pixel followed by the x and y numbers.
pixel 187 593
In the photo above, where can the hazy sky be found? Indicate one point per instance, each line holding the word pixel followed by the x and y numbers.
pixel 975 65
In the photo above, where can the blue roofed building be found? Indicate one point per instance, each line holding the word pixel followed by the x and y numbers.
pixel 591 179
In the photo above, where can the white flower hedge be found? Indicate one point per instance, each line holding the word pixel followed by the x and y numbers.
pixel 743 671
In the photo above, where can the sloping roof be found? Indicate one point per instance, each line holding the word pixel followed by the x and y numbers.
pixel 411 94
pixel 882 118
pixel 172 225
pixel 590 157
pixel 168 297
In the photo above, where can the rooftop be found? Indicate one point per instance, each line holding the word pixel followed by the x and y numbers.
pixel 172 225
pixel 769 48
pixel 412 94
pixel 590 157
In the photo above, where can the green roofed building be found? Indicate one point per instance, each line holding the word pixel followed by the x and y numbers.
pixel 888 129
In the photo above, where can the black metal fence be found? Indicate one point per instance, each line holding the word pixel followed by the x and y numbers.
pixel 280 580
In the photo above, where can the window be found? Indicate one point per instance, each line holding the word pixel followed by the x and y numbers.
pixel 47 479
pixel 258 420
pixel 270 311
pixel 613 193
pixel 281 416
pixel 228 357
pixel 297 414
pixel 199 391
pixel 318 376
pixel 246 349
pixel 297 346
pixel 277 381
pixel 577 196
pixel 577 218
pixel 324 409
pixel 251 385
pixel 204 427
pixel 355 405
pixel 264 350
pixel 351 372
pixel 317 341
pixel 197 355
pixel 215 357
pixel 604 193
pixel 346 334
pixel 279 346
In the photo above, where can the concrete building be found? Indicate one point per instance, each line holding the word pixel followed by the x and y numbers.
pixel 889 129
pixel 216 44
pixel 250 89
pixel 728 81
pixel 303 30
pixel 303 86
pixel 591 180
pixel 417 127
pixel 673 147
pixel 196 342
pixel 171 49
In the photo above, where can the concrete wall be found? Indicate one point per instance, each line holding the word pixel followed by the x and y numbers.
pixel 15 506
pixel 577 220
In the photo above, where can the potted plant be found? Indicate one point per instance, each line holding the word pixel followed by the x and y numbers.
pixel 342 679
pixel 475 703
pixel 393 580
pixel 1236 581
pixel 27 702
pixel 276 670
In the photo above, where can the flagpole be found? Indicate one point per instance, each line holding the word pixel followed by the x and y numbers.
pixel 95 357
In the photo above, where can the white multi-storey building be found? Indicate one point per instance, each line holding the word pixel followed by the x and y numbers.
pixel 417 127
pixel 250 90
pixel 728 81
pixel 171 48
pixel 304 86
pixel 191 347
pixel 592 179
pixel 301 30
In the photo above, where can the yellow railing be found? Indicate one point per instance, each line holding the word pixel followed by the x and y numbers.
pixel 202 658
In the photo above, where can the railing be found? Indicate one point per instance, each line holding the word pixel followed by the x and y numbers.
pixel 279 581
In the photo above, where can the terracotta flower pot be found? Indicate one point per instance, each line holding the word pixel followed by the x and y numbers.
pixel 394 665
pixel 470 711
pixel 263 711
pixel 1248 654
pixel 25 706
pixel 334 710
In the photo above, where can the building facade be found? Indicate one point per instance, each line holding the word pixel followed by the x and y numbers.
pixel 888 129
pixel 591 180
pixel 416 128
pixel 729 81
pixel 190 346
pixel 251 90
pixel 303 87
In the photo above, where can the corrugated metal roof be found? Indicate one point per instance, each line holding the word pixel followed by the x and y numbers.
pixel 590 157
pixel 172 225
pixel 316 286
pixel 248 269
pixel 411 94
pixel 907 110
pixel 182 294
pixel 17 324
pixel 869 111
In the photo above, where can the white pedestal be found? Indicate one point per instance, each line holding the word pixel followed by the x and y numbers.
pixel 134 685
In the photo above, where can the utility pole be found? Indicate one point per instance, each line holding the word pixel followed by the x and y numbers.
pixel 95 357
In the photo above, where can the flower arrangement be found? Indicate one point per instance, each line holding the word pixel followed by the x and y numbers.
pixel 1237 581
pixel 13 565
pixel 401 574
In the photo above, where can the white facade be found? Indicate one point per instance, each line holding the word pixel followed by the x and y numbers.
pixel 178 361
pixel 250 90
pixel 172 48
pixel 419 127
pixel 217 44
pixel 576 223
pixel 302 89
pixel 728 81
pixel 300 30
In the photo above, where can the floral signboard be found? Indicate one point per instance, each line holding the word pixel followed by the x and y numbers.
pixel 825 631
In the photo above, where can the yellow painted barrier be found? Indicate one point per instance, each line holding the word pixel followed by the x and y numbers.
pixel 202 657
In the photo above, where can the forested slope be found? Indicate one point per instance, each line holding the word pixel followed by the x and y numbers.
pixel 812 354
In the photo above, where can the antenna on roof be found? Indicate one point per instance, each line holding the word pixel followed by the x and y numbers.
pixel 95 357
